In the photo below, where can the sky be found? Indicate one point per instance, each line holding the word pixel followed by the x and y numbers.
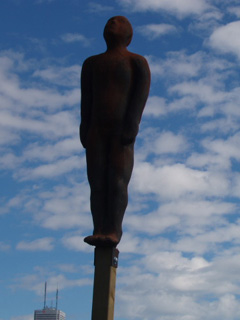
pixel 180 251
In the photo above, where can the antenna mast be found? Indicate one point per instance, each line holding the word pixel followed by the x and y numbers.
pixel 45 295
pixel 57 299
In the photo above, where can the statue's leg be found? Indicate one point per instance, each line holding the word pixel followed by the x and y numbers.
pixel 97 172
pixel 119 173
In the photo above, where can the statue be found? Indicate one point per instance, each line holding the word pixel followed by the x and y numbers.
pixel 115 87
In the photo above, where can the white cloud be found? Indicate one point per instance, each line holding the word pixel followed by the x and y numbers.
pixel 153 31
pixel 225 39
pixel 42 244
pixel 154 65
pixel 14 202
pixel 180 65
pixel 9 161
pixel 51 126
pixel 173 261
pixel 142 287
pixel 168 142
pixel 75 37
pixel 4 246
pixel 155 106
pixel 235 11
pixel 7 137
pixel 129 243
pixel 208 160
pixel 196 82
pixel 43 112
pixel 34 282
pixel 189 217
pixel 207 22
pixel 13 90
pixel 226 148
pixel 210 241
pixel 202 91
pixel 52 151
pixel 70 268
pixel 99 8
pixel 184 103
pixel 66 76
pixel 219 153
pixel 153 223
pixel 51 170
pixel 69 221
pixel 76 243
pixel 177 180
pixel 64 207
pixel 160 146
pixel 179 7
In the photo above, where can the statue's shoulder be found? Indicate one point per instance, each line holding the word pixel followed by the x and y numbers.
pixel 139 63
pixel 137 57
pixel 89 64
pixel 93 59
pixel 138 60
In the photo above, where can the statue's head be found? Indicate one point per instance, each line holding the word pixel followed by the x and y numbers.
pixel 118 31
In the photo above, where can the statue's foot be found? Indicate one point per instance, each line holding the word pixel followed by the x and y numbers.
pixel 92 240
pixel 112 239
pixel 102 240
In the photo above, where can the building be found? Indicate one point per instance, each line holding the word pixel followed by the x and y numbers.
pixel 49 314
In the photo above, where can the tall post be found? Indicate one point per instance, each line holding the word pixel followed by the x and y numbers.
pixel 106 263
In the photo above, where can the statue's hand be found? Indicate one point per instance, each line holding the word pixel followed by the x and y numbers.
pixel 129 133
pixel 83 136
pixel 126 140
pixel 83 141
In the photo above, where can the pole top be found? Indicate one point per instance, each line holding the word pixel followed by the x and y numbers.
pixel 106 256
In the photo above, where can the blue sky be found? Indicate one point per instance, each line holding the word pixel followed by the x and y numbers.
pixel 180 253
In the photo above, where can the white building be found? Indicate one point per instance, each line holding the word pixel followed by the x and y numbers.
pixel 49 314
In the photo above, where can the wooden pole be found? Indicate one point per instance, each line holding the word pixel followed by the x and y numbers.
pixel 106 262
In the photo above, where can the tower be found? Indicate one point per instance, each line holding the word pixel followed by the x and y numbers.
pixel 49 313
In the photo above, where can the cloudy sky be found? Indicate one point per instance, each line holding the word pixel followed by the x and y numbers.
pixel 180 252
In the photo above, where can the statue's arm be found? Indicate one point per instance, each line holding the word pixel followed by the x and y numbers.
pixel 86 101
pixel 138 97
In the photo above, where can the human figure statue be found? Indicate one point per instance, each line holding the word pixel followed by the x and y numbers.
pixel 115 87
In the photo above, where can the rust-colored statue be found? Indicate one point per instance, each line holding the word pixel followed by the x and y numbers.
pixel 115 87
